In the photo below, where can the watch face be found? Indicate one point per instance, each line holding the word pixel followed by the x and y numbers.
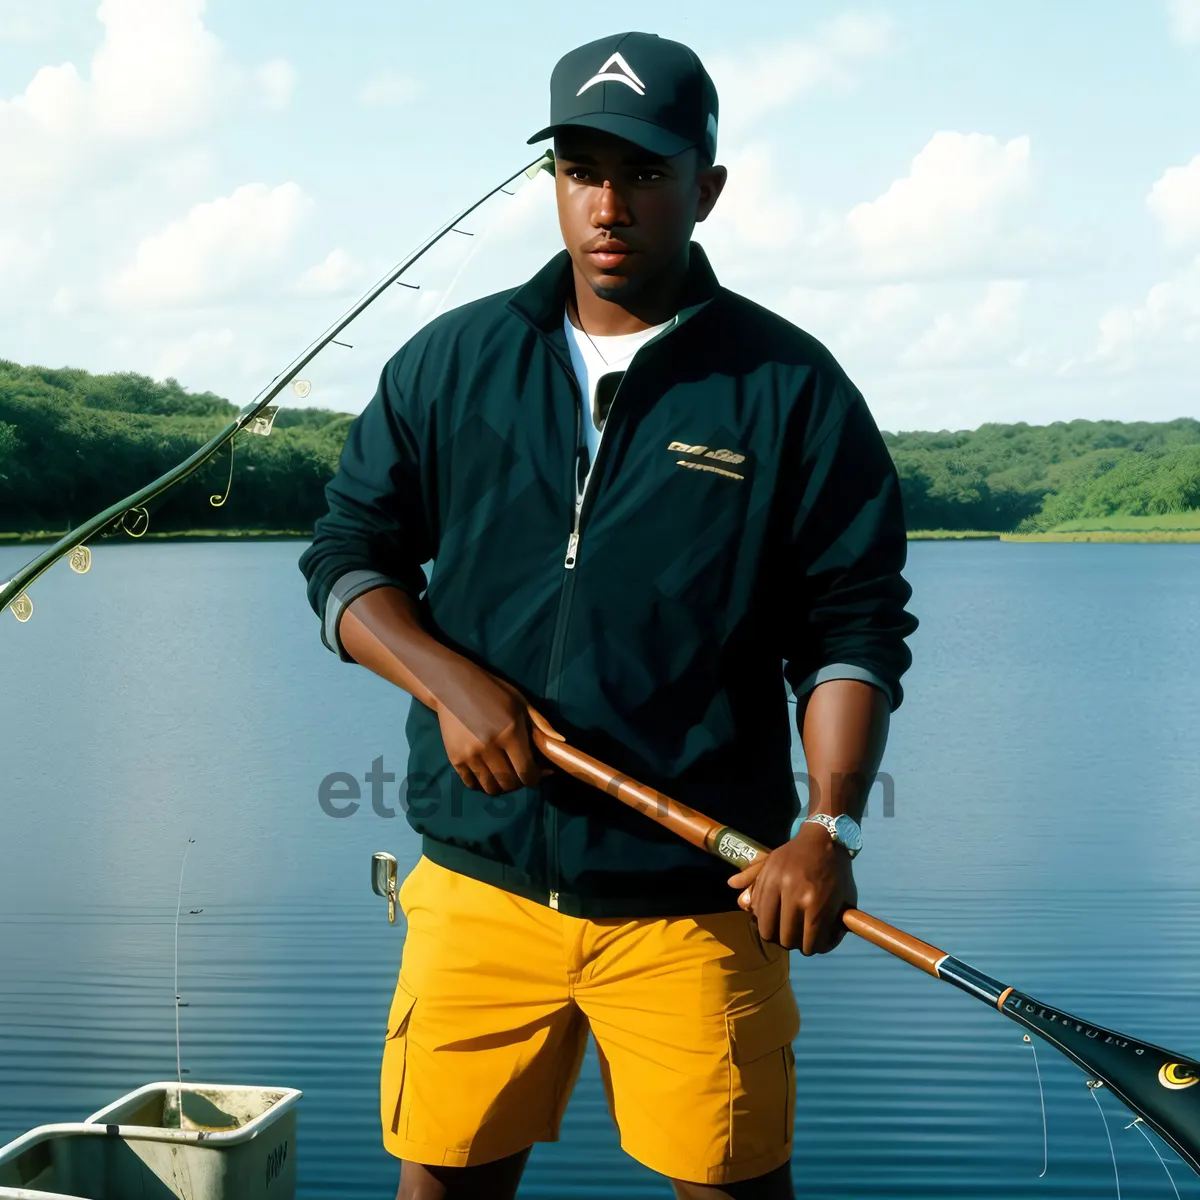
pixel 849 833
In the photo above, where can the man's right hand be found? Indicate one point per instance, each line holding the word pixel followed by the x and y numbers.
pixel 486 727
pixel 485 721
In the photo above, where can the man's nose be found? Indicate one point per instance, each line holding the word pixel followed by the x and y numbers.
pixel 609 207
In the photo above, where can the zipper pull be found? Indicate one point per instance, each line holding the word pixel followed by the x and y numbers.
pixel 554 900
pixel 572 548
pixel 582 464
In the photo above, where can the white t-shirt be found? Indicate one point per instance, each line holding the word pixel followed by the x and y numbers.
pixel 595 357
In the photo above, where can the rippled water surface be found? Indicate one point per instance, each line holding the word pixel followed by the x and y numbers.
pixel 1046 765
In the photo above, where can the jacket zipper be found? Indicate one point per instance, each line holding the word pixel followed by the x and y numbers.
pixel 564 600
pixel 559 637
pixel 573 539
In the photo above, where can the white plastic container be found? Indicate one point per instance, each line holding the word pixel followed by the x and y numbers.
pixel 234 1142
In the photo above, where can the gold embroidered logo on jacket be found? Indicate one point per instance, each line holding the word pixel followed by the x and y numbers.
pixel 730 457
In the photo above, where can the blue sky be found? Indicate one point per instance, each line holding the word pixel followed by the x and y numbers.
pixel 987 212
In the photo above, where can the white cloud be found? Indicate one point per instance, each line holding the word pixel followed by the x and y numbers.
pixel 177 174
pixel 388 90
pixel 217 247
pixel 863 323
pixel 1166 325
pixel 777 74
pixel 1175 202
pixel 961 211
pixel 35 129
pixel 919 327
pixel 952 213
pixel 277 82
pixel 157 75
pixel 755 214
pixel 1184 17
pixel 985 332
pixel 900 343
pixel 158 69
pixel 331 275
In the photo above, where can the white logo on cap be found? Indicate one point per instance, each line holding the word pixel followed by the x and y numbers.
pixel 623 75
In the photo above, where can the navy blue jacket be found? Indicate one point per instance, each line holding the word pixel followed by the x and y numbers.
pixel 742 524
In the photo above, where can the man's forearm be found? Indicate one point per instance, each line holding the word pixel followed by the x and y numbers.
pixel 382 631
pixel 844 731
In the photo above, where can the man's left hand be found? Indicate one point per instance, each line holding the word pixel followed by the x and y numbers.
pixel 797 893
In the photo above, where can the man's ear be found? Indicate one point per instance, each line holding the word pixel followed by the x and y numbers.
pixel 712 182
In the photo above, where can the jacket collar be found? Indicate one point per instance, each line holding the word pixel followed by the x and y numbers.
pixel 541 300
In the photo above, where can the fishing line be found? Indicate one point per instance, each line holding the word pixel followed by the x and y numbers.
pixel 1042 1098
pixel 178 1056
pixel 1094 1085
pixel 1139 1123
pixel 476 246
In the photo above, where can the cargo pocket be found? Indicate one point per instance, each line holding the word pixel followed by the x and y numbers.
pixel 395 1049
pixel 762 1075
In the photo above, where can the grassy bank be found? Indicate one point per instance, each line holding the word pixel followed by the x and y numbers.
pixel 1106 535
pixel 1119 527
pixel 945 535
pixel 1122 523
pixel 1164 527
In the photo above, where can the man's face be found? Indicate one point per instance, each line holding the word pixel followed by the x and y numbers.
pixel 627 214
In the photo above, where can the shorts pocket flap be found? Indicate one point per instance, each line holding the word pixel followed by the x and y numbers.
pixel 763 1027
pixel 401 1010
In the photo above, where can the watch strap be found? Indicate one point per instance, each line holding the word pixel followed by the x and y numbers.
pixel 830 824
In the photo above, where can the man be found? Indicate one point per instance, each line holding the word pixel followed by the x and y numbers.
pixel 643 495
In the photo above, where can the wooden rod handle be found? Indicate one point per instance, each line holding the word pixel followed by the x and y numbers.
pixel 689 824
pixel 895 941
pixel 703 832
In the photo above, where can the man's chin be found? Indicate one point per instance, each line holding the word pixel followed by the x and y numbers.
pixel 614 287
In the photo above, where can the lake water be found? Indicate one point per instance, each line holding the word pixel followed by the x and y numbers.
pixel 1046 828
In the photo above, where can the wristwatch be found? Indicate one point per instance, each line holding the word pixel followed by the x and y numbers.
pixel 843 829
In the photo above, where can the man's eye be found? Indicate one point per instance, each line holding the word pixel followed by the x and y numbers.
pixel 649 176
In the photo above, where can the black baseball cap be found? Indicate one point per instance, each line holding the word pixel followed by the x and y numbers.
pixel 637 86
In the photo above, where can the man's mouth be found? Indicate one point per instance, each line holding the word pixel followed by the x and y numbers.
pixel 609 254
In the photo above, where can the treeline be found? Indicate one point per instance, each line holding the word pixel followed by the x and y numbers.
pixel 1033 477
pixel 73 443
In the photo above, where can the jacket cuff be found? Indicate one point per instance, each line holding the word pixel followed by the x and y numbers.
pixel 844 671
pixel 344 592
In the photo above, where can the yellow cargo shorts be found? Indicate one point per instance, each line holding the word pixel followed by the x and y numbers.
pixel 693 1017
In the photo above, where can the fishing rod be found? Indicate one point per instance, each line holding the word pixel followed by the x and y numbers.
pixel 1157 1085
pixel 257 418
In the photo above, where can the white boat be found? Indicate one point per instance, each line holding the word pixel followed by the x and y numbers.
pixel 231 1142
